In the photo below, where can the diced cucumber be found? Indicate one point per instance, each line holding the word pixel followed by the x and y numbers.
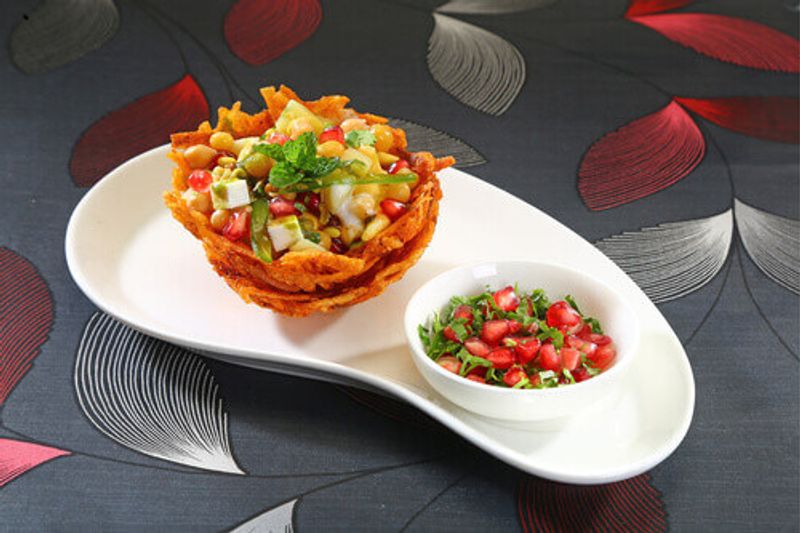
pixel 259 238
pixel 294 110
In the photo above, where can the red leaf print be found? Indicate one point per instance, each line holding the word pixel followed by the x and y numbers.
pixel 26 316
pixel 729 39
pixel 17 457
pixel 648 7
pixel 258 32
pixel 774 118
pixel 640 158
pixel 136 127
pixel 630 505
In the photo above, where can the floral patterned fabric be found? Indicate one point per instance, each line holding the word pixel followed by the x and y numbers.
pixel 664 131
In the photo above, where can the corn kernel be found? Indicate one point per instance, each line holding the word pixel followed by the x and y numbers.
pixel 376 225
pixel 226 162
pixel 332 232
pixel 199 155
pixel 330 149
pixel 350 234
pixel 398 191
pixel 384 138
pixel 373 189
pixel 386 158
pixel 369 151
pixel 308 222
pixel 221 140
pixel 219 218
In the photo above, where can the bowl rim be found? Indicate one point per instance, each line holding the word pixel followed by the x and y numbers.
pixel 418 352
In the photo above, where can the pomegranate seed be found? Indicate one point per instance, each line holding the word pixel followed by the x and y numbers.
pixel 238 226
pixel 548 358
pixel 560 314
pixel 449 363
pixel 393 209
pixel 501 358
pixel 398 165
pixel 494 330
pixel 513 326
pixel 506 299
pixel 580 374
pixel 277 138
pixel 200 180
pixel 282 207
pixel 464 312
pixel 527 349
pixel 334 133
pixel 514 376
pixel 337 246
pixel 570 358
pixel 310 200
pixel 476 378
pixel 476 347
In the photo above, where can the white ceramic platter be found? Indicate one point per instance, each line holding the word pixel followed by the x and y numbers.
pixel 135 262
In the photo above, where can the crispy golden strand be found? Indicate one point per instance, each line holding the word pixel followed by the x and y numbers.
pixel 301 283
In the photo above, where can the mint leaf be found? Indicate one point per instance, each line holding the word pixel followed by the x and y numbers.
pixel 571 301
pixel 358 138
pixel 324 166
pixel 275 151
pixel 546 332
pixel 283 174
pixel 302 152
pixel 595 325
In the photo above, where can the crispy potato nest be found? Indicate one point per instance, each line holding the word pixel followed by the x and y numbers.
pixel 300 283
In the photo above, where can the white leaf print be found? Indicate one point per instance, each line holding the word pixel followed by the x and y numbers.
pixel 438 143
pixel 491 7
pixel 61 31
pixel 276 520
pixel 671 260
pixel 475 66
pixel 153 397
pixel 773 243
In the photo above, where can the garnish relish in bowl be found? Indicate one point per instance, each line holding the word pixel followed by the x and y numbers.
pixel 515 339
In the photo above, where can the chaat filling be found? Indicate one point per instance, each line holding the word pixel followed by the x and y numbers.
pixel 305 184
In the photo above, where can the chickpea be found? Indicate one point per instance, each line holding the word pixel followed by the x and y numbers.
pixel 257 165
pixel 199 155
pixel 369 151
pixel 353 124
pixel 300 126
pixel 363 205
pixel 330 149
pixel 398 191
pixel 373 189
pixel 240 144
pixel 350 234
pixel 222 140
pixel 384 138
pixel 325 240
pixel 387 159
pixel 219 218
pixel 199 201
pixel 376 225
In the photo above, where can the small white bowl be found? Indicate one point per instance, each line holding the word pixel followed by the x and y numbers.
pixel 594 298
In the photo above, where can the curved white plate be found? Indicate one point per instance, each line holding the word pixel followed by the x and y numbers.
pixel 135 262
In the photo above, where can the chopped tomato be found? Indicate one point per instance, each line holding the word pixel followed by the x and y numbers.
pixel 548 358
pixel 476 347
pixel 506 299
pixel 560 314
pixel 501 358
pixel 449 363
pixel 604 356
pixel 570 358
pixel 334 133
pixel 494 330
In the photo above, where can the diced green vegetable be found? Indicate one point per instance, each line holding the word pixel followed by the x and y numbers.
pixel 259 237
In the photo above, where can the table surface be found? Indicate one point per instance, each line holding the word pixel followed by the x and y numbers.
pixel 609 123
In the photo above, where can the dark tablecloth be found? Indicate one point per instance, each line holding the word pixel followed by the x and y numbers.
pixel 529 95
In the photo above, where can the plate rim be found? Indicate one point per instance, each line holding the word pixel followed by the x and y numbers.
pixel 439 413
